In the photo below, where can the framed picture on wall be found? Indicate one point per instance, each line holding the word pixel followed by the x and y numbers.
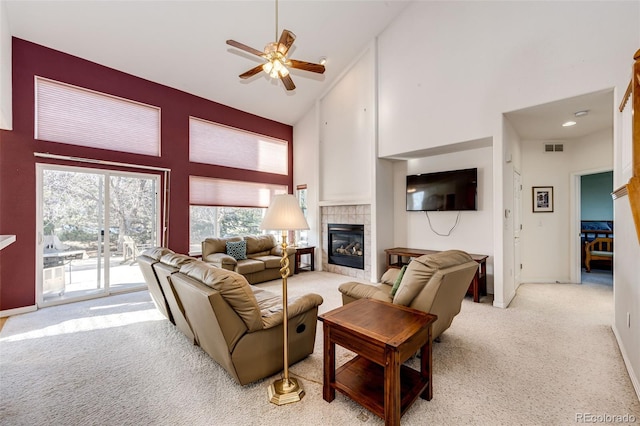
pixel 542 199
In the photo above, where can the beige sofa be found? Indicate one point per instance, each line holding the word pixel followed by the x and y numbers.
pixel 263 255
pixel 146 261
pixel 434 283
pixel 239 325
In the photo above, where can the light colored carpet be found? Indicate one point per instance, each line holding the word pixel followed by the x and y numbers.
pixel 116 361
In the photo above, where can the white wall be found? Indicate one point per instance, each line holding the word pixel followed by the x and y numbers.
pixel 626 284
pixel 305 170
pixel 626 288
pixel 335 148
pixel 347 136
pixel 474 232
pixel 383 216
pixel 448 69
pixel 546 237
pixel 6 111
pixel 512 212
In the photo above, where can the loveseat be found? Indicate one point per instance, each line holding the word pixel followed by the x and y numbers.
pixel 434 283
pixel 239 325
pixel 257 257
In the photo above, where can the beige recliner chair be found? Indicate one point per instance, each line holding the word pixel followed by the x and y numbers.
pixel 434 283
pixel 146 261
pixel 240 325
pixel 169 264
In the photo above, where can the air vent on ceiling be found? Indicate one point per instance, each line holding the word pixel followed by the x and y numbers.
pixel 553 147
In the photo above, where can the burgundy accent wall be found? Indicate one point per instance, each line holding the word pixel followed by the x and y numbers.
pixel 17 147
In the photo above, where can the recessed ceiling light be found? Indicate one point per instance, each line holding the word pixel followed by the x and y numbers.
pixel 323 60
pixel 568 124
pixel 581 113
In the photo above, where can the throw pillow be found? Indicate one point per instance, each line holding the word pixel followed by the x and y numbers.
pixel 237 249
pixel 398 281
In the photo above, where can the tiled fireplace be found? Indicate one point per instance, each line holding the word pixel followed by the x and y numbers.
pixel 349 255
pixel 346 244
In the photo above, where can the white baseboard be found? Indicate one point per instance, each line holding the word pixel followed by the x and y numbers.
pixel 18 311
pixel 505 303
pixel 627 363
pixel 499 305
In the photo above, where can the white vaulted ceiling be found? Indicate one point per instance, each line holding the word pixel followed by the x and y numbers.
pixel 181 44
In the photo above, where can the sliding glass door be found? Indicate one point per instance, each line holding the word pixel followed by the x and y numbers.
pixel 92 225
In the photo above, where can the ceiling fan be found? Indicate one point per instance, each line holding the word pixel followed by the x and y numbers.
pixel 277 63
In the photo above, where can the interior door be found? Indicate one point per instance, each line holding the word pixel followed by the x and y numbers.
pixel 91 226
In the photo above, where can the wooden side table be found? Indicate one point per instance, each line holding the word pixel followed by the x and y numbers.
pixel 400 256
pixel 383 336
pixel 309 250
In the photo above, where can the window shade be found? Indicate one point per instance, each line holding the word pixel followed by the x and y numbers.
pixel 212 143
pixel 77 116
pixel 205 191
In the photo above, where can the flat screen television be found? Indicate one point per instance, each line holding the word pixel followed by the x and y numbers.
pixel 442 191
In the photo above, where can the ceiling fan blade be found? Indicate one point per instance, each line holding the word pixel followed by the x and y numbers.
pixel 251 72
pixel 286 41
pixel 288 83
pixel 245 48
pixel 307 66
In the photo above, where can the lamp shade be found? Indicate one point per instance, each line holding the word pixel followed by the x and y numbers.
pixel 284 214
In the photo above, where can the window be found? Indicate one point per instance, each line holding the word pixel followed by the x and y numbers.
pixel 77 116
pixel 212 143
pixel 302 236
pixel 204 191
pixel 223 208
pixel 216 222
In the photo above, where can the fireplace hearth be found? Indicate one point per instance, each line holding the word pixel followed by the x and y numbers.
pixel 346 245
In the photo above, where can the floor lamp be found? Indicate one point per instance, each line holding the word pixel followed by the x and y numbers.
pixel 284 214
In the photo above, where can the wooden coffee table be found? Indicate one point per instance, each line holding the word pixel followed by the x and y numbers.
pixel 383 336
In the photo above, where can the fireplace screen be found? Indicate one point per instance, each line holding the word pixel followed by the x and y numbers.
pixel 346 245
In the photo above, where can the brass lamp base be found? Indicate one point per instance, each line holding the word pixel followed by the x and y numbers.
pixel 285 391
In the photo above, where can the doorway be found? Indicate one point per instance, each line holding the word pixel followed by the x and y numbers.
pixel 550 154
pixel 91 226
pixel 592 218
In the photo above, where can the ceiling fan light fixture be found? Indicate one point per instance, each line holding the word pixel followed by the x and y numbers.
pixel 271 48
pixel 282 71
pixel 275 68
pixel 267 67
pixel 275 55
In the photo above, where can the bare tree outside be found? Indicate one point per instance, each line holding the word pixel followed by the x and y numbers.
pixel 214 222
pixel 73 209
